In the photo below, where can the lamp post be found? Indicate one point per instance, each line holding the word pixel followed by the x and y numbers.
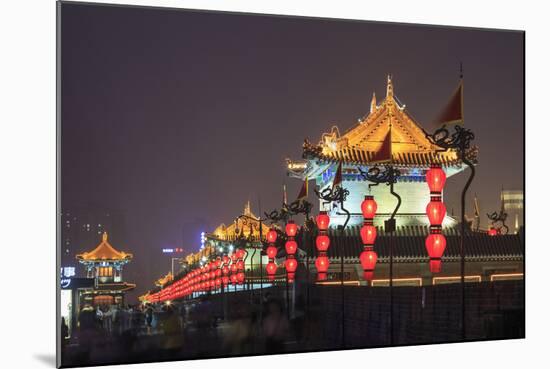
pixel 285 214
pixel 460 141
pixel 388 176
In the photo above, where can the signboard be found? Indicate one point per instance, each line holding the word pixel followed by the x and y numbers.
pixel 172 250
pixel 75 283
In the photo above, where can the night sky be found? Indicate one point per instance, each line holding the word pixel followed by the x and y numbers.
pixel 177 118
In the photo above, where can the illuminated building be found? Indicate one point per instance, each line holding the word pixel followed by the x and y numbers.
pixel 512 203
pixel 411 153
pixel 104 264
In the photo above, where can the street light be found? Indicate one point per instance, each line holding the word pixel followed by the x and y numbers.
pixel 460 141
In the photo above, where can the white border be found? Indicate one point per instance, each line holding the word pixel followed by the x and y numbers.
pixel 27 152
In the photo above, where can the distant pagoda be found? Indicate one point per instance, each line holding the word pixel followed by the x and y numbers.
pixel 104 264
pixel 391 125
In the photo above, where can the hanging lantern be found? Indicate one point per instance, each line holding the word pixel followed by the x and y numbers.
pixel 240 278
pixel 233 279
pixel 271 269
pixel 435 245
pixel 368 262
pixel 322 220
pixel 368 234
pixel 291 229
pixel 291 265
pixel 322 264
pixel 436 211
pixel 322 242
pixel 369 207
pixel 291 246
pixel 492 232
pixel 271 252
pixel 240 253
pixel 272 236
pixel 436 177
pixel 240 265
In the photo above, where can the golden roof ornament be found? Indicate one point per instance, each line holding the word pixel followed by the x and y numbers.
pixel 373 103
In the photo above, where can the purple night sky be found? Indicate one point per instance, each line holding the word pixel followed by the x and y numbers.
pixel 177 118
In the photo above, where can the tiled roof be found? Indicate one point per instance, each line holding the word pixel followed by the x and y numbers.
pixel 362 157
pixel 104 252
pixel 409 245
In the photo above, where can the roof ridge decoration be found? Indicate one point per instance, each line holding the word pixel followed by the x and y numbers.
pixel 104 251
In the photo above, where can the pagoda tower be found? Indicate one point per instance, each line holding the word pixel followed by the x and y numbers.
pixel 104 264
pixel 390 124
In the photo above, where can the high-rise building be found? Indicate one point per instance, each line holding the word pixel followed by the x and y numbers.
pixel 512 203
pixel 81 227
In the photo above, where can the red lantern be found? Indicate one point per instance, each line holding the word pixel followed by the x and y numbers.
pixel 291 265
pixel 368 234
pixel 436 212
pixel 368 260
pixel 225 280
pixel 233 278
pixel 492 232
pixel 323 221
pixel 240 265
pixel 240 277
pixel 368 207
pixel 225 270
pixel 225 260
pixel 272 236
pixel 218 273
pixel 218 262
pixel 322 263
pixel 435 177
pixel 322 242
pixel 240 253
pixel 271 269
pixel 233 268
pixel 435 245
pixel 291 228
pixel 271 252
pixel 291 246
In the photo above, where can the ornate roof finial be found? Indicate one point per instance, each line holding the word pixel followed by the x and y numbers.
pixel 247 210
pixel 373 103
pixel 104 237
pixel 389 87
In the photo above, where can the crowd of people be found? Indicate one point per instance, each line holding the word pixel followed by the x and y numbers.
pixel 203 327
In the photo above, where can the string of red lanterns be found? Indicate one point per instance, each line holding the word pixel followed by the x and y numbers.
pixel 271 251
pixel 322 243
pixel 436 210
pixel 240 254
pixel 368 256
pixel 290 247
